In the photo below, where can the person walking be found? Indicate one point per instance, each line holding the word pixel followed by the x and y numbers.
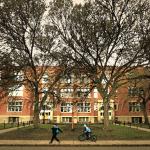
pixel 55 131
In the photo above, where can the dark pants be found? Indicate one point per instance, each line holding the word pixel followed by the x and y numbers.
pixel 88 134
pixel 54 137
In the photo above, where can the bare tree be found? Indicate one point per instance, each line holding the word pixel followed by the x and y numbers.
pixel 6 67
pixel 144 96
pixel 143 31
pixel 139 90
pixel 101 38
pixel 30 45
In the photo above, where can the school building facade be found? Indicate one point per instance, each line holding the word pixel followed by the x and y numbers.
pixel 124 107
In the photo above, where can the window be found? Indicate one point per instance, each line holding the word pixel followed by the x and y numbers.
pixel 84 107
pixel 15 106
pixel 66 107
pixel 101 106
pixel 102 114
pixel 135 107
pixel 16 91
pixel 19 76
pixel 45 78
pixel 66 119
pixel 115 107
pixel 109 113
pixel 95 106
pixel 66 92
pixel 44 114
pixel 83 92
pixel 13 119
pixel 83 119
pixel 141 91
pixel 136 120
pixel 135 91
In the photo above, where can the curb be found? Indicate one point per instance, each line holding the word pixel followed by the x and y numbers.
pixel 74 143
pixel 70 145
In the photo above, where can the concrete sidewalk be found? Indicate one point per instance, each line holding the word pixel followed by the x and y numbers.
pixel 9 129
pixel 12 129
pixel 75 143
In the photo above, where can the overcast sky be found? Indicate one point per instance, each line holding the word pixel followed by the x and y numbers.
pixel 76 1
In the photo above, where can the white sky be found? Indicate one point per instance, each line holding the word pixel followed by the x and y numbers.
pixel 78 1
pixel 75 1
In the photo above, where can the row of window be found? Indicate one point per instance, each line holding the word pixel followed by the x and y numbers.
pixel 45 114
pixel 102 113
pixel 68 79
pixel 82 107
pixel 135 91
pixel 135 120
pixel 80 119
pixel 69 92
pixel 16 106
pixel 135 106
pixel 65 107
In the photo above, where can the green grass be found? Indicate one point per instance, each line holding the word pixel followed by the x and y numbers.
pixel 115 132
pixel 6 126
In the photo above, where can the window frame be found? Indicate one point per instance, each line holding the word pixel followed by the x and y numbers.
pixel 84 107
pixel 135 107
pixel 66 107
pixel 14 107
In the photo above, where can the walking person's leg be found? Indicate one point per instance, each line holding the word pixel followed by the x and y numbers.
pixel 53 136
pixel 56 138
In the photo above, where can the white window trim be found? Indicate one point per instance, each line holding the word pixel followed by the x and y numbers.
pixel 15 105
pixel 83 107
pixel 66 107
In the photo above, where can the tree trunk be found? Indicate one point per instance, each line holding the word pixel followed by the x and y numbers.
pixel 36 118
pixel 146 121
pixel 106 115
pixel 72 124
pixel 36 110
pixel 106 108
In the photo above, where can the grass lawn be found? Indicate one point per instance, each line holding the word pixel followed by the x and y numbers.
pixel 115 132
pixel 7 125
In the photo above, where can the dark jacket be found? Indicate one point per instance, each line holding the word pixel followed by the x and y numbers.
pixel 56 130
